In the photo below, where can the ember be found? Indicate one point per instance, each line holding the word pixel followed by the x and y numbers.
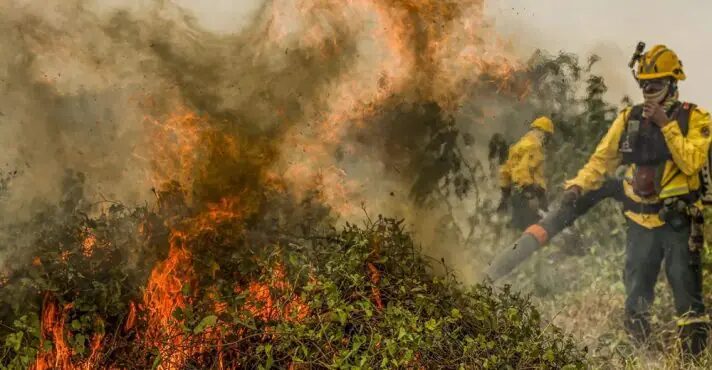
pixel 88 245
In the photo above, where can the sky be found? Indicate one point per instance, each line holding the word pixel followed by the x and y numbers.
pixel 612 28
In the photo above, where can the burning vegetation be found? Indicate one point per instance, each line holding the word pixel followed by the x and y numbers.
pixel 258 150
pixel 220 299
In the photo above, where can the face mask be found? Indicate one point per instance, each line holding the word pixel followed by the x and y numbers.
pixel 655 90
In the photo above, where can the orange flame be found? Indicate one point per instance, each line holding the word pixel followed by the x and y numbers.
pixel 375 279
pixel 88 245
pixel 131 318
pixel 95 346
pixel 163 295
pixel 52 326
pixel 53 329
pixel 226 210
pixel 274 300
pixel 182 142
pixel 176 142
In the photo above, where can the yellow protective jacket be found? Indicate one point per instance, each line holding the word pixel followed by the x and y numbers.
pixel 680 175
pixel 525 163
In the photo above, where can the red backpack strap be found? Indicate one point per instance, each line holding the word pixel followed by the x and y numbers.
pixel 682 116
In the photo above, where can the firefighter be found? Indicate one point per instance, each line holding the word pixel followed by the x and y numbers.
pixel 521 177
pixel 664 143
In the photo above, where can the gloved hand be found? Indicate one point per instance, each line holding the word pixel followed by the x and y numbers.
pixel 534 203
pixel 536 197
pixel 655 113
pixel 504 202
pixel 571 195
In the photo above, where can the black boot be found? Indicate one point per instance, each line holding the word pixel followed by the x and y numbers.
pixel 638 328
pixel 693 338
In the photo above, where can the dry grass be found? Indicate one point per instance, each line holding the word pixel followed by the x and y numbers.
pixel 587 301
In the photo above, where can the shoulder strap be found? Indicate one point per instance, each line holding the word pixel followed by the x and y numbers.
pixel 635 112
pixel 682 115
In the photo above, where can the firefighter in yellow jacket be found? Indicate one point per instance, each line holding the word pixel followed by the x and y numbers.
pixel 664 144
pixel 522 176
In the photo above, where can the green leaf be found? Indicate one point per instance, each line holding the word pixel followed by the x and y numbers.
pixel 21 323
pixel 268 351
pixel 76 325
pixel 14 340
pixel 512 313
pixel 79 346
pixel 178 314
pixel 186 289
pixel 549 355
pixel 342 316
pixel 431 324
pixel 401 333
pixel 384 362
pixel 157 362
pixel 206 322
pixel 455 313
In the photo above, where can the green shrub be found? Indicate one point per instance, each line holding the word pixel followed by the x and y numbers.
pixel 361 297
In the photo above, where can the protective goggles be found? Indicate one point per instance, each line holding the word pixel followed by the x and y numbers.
pixel 652 86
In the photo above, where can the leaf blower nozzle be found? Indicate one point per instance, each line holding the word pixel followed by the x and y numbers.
pixel 539 234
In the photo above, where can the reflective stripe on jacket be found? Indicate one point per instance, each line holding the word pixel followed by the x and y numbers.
pixel 680 175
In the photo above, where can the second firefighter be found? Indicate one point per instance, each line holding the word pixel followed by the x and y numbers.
pixel 522 178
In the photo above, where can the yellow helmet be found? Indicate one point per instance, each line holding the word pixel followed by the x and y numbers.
pixel 660 62
pixel 544 124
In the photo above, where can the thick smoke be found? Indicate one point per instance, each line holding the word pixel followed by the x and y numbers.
pixel 320 99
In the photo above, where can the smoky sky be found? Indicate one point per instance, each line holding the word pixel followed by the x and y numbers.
pixel 612 29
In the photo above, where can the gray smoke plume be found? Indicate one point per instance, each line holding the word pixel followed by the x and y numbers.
pixel 345 101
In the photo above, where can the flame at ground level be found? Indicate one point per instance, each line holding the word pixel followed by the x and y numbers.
pixel 164 294
pixel 53 330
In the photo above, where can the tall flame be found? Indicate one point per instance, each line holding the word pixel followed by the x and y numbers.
pixel 52 326
pixel 163 295
pixel 53 330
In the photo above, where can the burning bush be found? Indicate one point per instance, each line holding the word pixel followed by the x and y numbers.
pixel 134 288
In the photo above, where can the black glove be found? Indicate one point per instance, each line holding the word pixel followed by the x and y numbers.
pixel 543 202
pixel 571 195
pixel 535 196
pixel 504 202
